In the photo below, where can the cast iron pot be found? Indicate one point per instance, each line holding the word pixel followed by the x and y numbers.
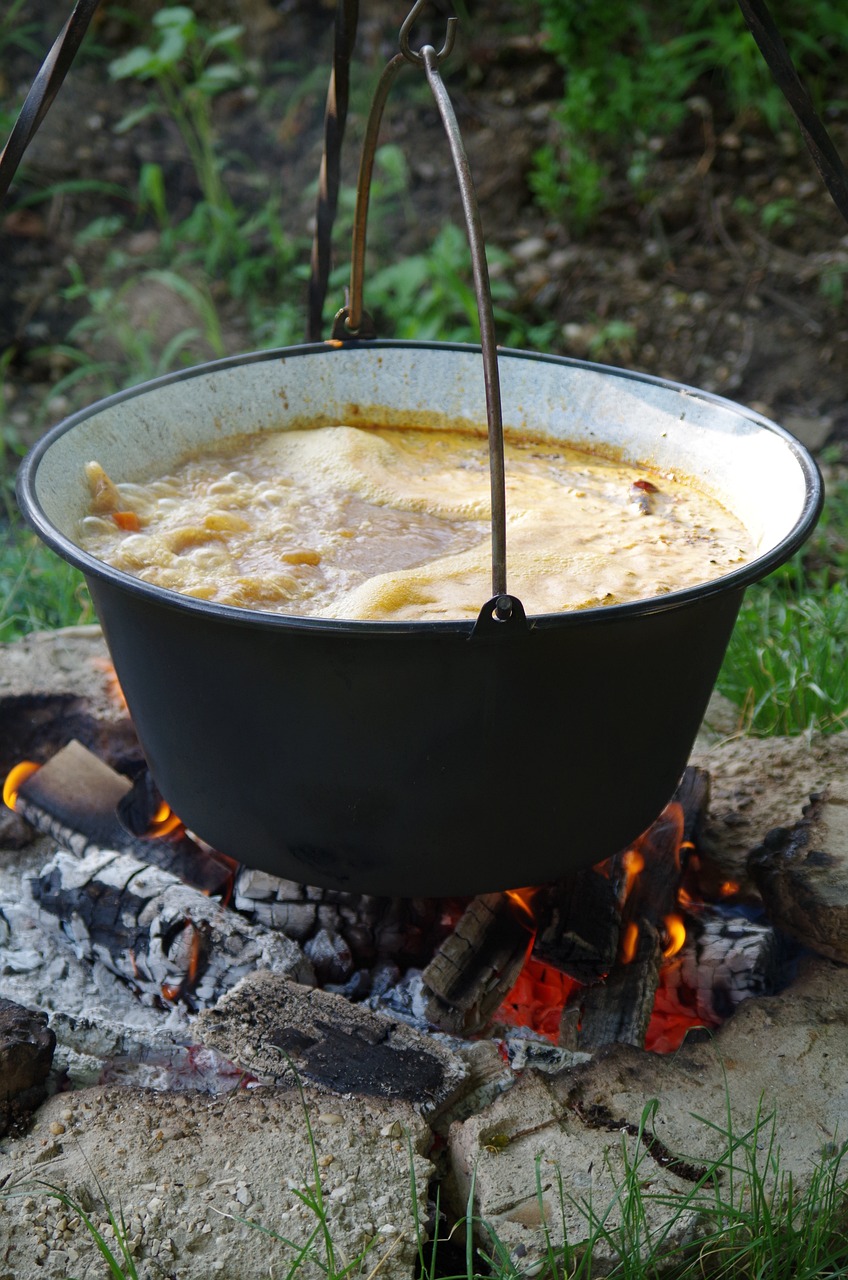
pixel 422 758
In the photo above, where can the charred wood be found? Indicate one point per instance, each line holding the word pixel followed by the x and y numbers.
pixel 579 928
pixel 618 1010
pixel 802 874
pixel 727 958
pixel 74 798
pixel 26 1054
pixel 164 938
pixel 275 1028
pixel 647 878
pixel 476 966
pixel 371 927
pixel 86 806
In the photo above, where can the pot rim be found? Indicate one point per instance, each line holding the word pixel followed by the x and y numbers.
pixel 738 579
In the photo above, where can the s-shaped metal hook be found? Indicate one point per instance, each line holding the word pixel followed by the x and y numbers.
pixel 413 55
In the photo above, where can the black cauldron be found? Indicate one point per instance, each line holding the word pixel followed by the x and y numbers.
pixel 423 758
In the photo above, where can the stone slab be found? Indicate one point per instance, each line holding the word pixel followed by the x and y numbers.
pixel 782 1056
pixel 191 1174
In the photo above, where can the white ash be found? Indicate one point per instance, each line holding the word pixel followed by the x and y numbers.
pixel 39 970
pixel 142 923
pixel 727 958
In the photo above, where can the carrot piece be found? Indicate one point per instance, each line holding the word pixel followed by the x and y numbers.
pixel 127 520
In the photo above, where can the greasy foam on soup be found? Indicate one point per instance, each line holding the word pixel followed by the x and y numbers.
pixel 386 524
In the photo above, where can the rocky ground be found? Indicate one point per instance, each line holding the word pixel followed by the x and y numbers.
pixel 726 273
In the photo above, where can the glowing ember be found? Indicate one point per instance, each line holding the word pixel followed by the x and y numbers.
pixel 16 778
pixel 537 1000
pixel 174 990
pixel 670 1020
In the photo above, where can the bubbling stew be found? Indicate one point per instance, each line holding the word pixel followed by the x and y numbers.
pixel 394 525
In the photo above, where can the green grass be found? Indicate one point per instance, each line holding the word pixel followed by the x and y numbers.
pixel 787 663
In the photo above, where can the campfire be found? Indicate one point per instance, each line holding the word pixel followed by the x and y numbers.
pixel 642 949
pixel 173 990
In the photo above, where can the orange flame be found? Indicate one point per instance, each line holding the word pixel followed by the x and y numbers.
pixel 15 780
pixel 163 822
pixel 521 899
pixel 632 862
pixel 629 941
pixel 113 685
pixel 675 931
pixel 728 888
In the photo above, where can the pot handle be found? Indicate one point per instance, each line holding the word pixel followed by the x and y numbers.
pixel 353 322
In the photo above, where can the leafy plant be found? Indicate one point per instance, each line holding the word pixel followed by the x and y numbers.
pixel 189 67
pixel 616 56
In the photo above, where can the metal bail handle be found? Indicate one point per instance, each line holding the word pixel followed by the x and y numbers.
pixel 353 322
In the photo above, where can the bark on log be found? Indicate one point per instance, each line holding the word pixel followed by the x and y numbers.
pixel 474 968
pixel 618 1010
pixel 802 874
pixel 164 938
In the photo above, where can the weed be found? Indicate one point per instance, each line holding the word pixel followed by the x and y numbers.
pixel 615 55
pixel 38 591
pixel 189 67
pixel 431 295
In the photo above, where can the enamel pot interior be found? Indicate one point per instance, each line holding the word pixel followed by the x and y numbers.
pixel 420 758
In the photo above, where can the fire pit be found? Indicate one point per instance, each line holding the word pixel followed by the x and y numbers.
pixel 486 1097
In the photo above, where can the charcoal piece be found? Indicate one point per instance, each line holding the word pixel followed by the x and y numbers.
pixel 26 1055
pixel 330 956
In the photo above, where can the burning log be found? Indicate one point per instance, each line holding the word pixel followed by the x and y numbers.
pixel 75 798
pixel 164 938
pixel 86 806
pixel 478 963
pixel 727 958
pixel 647 878
pixel 802 874
pixel 579 933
